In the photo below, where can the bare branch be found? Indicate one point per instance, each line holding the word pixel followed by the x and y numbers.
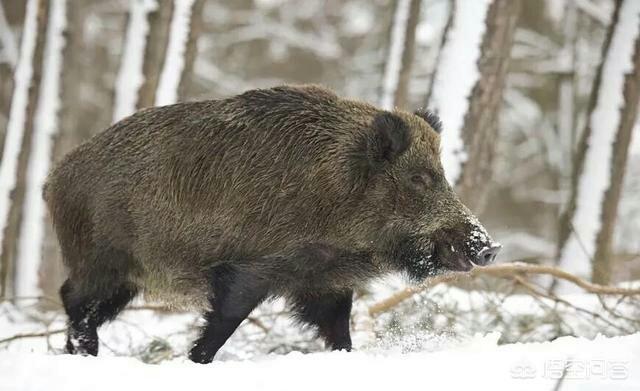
pixel 506 270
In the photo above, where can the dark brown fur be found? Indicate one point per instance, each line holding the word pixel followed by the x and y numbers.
pixel 311 194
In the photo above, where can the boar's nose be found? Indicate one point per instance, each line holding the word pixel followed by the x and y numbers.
pixel 487 255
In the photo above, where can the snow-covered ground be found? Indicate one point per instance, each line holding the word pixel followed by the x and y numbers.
pixel 147 348
pixel 580 364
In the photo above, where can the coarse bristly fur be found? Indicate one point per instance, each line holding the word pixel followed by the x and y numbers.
pixel 289 191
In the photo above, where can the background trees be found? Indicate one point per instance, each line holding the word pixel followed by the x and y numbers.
pixel 598 171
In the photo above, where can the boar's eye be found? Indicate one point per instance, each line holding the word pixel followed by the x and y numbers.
pixel 421 181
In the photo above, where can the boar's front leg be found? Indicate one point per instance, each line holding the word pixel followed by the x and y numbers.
pixel 234 294
pixel 330 314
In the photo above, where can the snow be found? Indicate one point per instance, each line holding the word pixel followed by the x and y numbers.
pixel 357 19
pixel 17 115
pixel 167 92
pixel 396 48
pixel 595 179
pixel 414 358
pixel 599 364
pixel 634 148
pixel 130 77
pixel 45 126
pixel 455 78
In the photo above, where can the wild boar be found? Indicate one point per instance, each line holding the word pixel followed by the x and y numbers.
pixel 289 191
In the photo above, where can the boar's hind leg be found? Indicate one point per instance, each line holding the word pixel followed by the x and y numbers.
pixel 87 312
pixel 330 314
pixel 234 294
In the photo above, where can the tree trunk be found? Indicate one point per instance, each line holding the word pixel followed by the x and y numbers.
pixel 586 225
pixel 45 126
pixel 10 15
pixel 443 41
pixel 185 87
pixel 155 51
pixel 602 260
pixel 175 58
pixel 467 92
pixel 131 75
pixel 480 129
pixel 400 54
pixel 401 98
pixel 14 218
pixel 70 135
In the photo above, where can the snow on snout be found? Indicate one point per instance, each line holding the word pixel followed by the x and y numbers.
pixel 478 236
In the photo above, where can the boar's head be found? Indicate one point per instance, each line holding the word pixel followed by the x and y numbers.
pixel 421 226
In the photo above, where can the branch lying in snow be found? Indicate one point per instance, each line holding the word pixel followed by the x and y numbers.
pixel 31 335
pixel 506 270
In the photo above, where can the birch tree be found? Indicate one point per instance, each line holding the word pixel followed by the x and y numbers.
pixel 159 20
pixel 185 86
pixel 443 41
pixel 467 91
pixel 587 223
pixel 130 76
pixel 8 62
pixel 45 126
pixel 18 140
pixel 400 54
pixel 180 51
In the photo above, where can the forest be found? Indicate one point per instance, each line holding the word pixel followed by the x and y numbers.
pixel 539 102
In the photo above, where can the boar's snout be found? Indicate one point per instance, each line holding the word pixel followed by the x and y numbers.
pixel 487 254
pixel 464 245
pixel 477 246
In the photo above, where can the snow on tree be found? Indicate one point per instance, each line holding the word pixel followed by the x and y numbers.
pixel 600 158
pixel 45 126
pixel 159 20
pixel 455 77
pixel 186 83
pixel 400 54
pixel 17 140
pixel 131 76
pixel 174 63
pixel 467 91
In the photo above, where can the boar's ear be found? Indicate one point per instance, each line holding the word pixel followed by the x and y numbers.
pixel 386 138
pixel 431 118
pixel 389 139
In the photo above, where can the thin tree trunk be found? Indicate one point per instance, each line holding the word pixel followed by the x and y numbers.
pixel 130 74
pixel 9 50
pixel 602 260
pixel 401 98
pixel 45 126
pixel 185 87
pixel 396 53
pixel 480 129
pixel 587 222
pixel 443 42
pixel 566 114
pixel 155 51
pixel 176 52
pixel 71 132
pixel 14 218
pixel 564 222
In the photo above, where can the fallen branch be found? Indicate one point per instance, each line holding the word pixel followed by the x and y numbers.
pixel 506 270
pixel 32 335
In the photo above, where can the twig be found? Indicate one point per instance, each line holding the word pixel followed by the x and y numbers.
pixel 32 335
pixel 556 299
pixel 506 270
